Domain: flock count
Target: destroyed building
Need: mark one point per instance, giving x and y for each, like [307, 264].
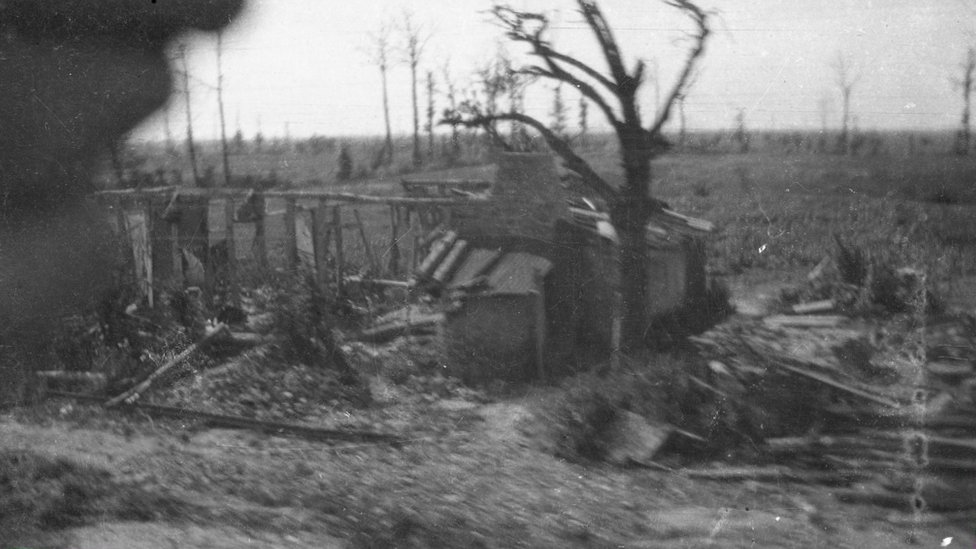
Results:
[529, 274]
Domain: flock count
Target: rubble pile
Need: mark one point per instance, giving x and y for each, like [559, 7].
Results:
[261, 386]
[886, 407]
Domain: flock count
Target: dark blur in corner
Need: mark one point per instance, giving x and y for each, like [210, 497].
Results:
[74, 77]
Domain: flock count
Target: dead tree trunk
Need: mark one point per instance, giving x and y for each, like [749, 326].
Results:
[965, 85]
[630, 206]
[190, 146]
[220, 104]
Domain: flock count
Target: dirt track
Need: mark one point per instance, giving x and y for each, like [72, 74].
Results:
[481, 479]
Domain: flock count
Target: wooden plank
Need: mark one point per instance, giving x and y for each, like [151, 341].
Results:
[539, 326]
[370, 256]
[809, 321]
[260, 240]
[394, 263]
[450, 261]
[132, 394]
[176, 253]
[199, 195]
[320, 244]
[291, 244]
[814, 307]
[233, 292]
[339, 252]
[437, 251]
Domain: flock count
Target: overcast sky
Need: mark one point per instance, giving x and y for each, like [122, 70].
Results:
[300, 66]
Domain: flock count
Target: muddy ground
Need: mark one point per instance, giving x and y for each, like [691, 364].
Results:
[473, 475]
[473, 471]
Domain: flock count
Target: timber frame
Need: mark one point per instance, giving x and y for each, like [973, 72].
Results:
[412, 219]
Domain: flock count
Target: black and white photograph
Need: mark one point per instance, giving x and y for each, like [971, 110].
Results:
[487, 274]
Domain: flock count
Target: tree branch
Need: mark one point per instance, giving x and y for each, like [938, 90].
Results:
[516, 24]
[570, 159]
[558, 74]
[700, 18]
[608, 44]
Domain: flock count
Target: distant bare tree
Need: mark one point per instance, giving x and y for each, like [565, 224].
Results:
[220, 104]
[741, 135]
[584, 123]
[845, 78]
[631, 205]
[431, 111]
[414, 41]
[965, 85]
[558, 112]
[380, 50]
[190, 146]
[450, 94]
[823, 106]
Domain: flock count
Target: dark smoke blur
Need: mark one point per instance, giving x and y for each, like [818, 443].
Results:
[74, 77]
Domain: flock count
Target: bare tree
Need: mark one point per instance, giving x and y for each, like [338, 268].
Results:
[845, 78]
[631, 205]
[584, 123]
[220, 104]
[431, 111]
[741, 135]
[380, 50]
[824, 107]
[415, 40]
[450, 94]
[190, 146]
[965, 85]
[558, 113]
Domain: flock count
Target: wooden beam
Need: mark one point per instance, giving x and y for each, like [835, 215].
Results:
[229, 213]
[394, 263]
[291, 244]
[191, 194]
[539, 326]
[320, 244]
[260, 241]
[339, 255]
[370, 256]
[176, 253]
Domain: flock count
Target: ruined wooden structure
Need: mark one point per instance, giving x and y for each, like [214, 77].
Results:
[182, 237]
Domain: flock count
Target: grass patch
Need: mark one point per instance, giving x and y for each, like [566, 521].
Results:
[44, 494]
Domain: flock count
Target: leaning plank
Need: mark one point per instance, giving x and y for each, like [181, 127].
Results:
[814, 307]
[62, 375]
[386, 332]
[132, 394]
[365, 281]
[437, 251]
[237, 422]
[842, 387]
[767, 474]
[450, 261]
[810, 321]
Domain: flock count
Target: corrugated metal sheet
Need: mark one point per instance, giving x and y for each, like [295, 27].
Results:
[472, 266]
[516, 273]
[665, 229]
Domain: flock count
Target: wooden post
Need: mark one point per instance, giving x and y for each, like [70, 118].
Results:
[232, 289]
[394, 265]
[260, 243]
[539, 310]
[370, 256]
[176, 253]
[148, 253]
[291, 244]
[320, 244]
[339, 256]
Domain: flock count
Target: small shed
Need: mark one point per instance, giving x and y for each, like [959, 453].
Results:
[676, 275]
